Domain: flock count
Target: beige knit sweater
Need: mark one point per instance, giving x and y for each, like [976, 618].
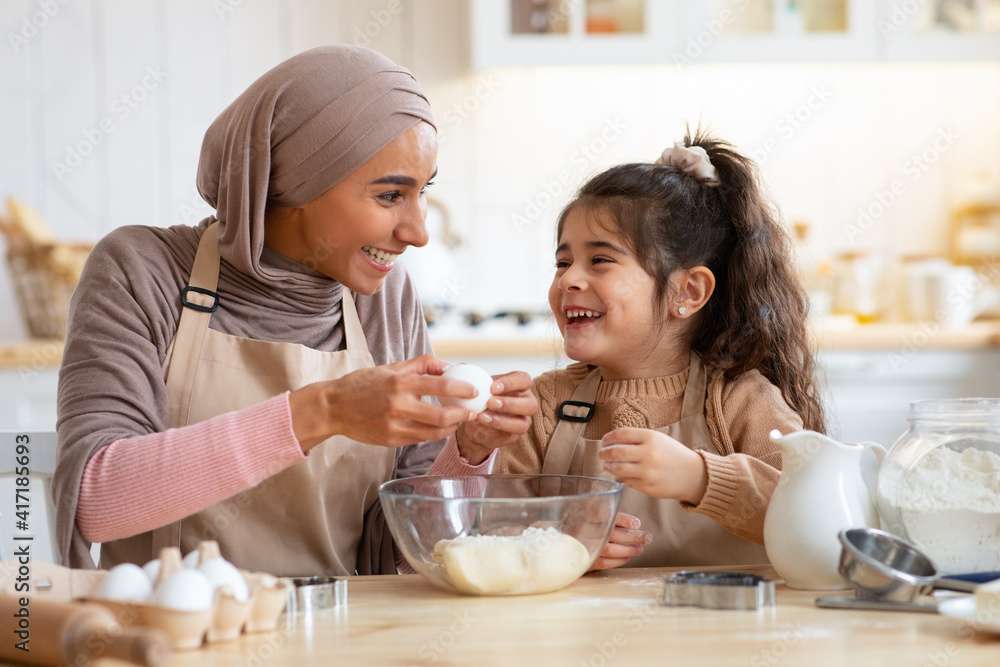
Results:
[740, 415]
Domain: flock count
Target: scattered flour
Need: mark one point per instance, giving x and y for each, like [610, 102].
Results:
[950, 505]
[536, 561]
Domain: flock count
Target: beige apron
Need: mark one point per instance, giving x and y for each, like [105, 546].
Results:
[680, 537]
[306, 519]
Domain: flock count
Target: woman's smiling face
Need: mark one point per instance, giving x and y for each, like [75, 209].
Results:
[354, 231]
[602, 298]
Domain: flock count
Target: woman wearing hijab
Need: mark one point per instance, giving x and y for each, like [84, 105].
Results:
[252, 380]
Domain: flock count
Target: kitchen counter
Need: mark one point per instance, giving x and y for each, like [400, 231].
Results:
[33, 354]
[830, 335]
[604, 618]
[512, 341]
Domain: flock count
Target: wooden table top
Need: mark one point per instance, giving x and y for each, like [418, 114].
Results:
[608, 618]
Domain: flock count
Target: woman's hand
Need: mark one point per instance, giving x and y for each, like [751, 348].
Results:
[381, 405]
[625, 543]
[508, 415]
[654, 463]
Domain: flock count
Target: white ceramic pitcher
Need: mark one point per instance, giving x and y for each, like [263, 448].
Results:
[825, 486]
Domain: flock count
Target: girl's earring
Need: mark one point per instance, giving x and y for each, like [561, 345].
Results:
[681, 310]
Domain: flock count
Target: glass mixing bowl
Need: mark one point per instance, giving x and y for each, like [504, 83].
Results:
[939, 486]
[501, 534]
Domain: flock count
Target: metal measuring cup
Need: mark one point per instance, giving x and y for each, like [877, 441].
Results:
[887, 572]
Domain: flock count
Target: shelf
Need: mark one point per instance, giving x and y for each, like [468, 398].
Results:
[683, 32]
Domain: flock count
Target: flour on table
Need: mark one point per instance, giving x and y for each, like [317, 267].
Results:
[950, 505]
[536, 561]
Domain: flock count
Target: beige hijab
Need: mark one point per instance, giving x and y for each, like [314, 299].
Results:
[296, 132]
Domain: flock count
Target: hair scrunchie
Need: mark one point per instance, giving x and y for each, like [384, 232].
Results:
[691, 160]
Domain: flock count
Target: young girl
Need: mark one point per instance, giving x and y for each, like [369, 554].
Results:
[675, 291]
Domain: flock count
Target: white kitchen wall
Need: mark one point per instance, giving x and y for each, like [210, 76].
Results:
[105, 104]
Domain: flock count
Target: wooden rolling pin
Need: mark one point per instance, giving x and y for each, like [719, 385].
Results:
[59, 633]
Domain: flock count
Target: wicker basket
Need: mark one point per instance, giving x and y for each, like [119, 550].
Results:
[44, 277]
[44, 272]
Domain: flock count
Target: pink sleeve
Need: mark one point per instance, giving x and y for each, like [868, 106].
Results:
[451, 462]
[140, 483]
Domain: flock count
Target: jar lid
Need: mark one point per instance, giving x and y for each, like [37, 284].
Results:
[966, 410]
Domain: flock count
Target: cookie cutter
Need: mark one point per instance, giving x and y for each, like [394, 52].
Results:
[718, 590]
[308, 594]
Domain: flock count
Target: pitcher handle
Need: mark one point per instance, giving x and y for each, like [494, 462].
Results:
[870, 465]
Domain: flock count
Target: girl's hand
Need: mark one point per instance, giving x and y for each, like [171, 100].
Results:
[381, 405]
[625, 543]
[508, 415]
[654, 463]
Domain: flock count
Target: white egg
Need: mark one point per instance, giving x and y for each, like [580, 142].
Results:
[125, 582]
[152, 569]
[221, 573]
[475, 376]
[191, 560]
[185, 590]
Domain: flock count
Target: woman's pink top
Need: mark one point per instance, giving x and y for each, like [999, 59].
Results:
[121, 495]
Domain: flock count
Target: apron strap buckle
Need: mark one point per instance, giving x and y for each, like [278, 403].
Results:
[197, 306]
[576, 415]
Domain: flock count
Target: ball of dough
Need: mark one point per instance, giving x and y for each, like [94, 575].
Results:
[536, 561]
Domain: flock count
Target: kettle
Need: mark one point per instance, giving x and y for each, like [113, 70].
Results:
[825, 487]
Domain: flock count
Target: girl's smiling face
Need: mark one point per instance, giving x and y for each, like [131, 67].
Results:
[602, 300]
[354, 231]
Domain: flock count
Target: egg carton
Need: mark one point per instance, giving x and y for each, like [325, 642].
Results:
[225, 620]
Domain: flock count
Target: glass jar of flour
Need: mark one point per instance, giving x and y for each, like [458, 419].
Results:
[939, 485]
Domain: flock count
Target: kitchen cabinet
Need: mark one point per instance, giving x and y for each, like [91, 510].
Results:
[555, 32]
[867, 392]
[28, 398]
[939, 31]
[682, 32]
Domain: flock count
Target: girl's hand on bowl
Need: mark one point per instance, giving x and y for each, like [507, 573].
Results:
[507, 416]
[626, 542]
